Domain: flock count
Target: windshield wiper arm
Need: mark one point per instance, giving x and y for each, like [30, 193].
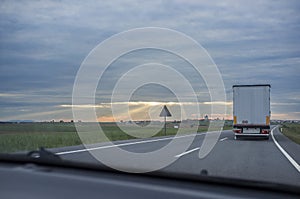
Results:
[43, 154]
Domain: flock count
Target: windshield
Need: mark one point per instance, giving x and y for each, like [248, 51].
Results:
[204, 88]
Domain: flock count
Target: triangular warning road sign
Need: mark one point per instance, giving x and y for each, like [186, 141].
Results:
[165, 112]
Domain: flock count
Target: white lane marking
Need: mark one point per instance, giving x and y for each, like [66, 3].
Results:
[225, 138]
[292, 161]
[187, 152]
[126, 144]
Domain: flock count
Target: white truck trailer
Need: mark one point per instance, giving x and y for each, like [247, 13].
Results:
[251, 110]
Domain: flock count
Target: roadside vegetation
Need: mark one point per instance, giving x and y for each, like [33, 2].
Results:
[292, 131]
[30, 136]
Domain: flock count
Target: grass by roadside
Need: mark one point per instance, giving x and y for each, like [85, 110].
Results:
[24, 137]
[292, 131]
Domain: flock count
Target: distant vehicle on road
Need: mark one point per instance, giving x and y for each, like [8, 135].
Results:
[251, 110]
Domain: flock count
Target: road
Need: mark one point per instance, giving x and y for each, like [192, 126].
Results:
[253, 159]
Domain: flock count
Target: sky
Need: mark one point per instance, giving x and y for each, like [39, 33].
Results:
[43, 44]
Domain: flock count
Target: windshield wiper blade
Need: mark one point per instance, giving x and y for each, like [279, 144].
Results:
[36, 156]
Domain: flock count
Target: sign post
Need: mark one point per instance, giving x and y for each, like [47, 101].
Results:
[165, 113]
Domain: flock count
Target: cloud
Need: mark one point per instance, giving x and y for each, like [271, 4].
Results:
[42, 44]
[10, 95]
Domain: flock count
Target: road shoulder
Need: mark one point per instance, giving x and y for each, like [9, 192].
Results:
[292, 148]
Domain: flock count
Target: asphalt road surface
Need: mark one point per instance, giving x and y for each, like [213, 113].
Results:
[273, 160]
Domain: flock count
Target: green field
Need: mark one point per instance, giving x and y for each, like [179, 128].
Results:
[30, 136]
[292, 131]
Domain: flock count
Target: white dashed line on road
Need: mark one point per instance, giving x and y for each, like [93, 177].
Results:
[225, 138]
[187, 152]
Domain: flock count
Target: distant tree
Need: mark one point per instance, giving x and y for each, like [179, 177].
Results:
[61, 121]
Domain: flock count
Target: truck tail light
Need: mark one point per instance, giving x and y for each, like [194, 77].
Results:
[237, 130]
[265, 131]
